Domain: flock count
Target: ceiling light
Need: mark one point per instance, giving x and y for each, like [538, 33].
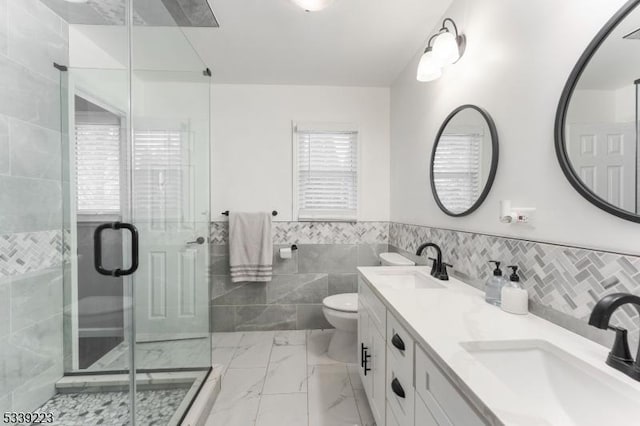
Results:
[429, 68]
[313, 5]
[447, 49]
[77, 1]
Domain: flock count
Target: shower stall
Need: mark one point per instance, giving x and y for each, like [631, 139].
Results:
[130, 340]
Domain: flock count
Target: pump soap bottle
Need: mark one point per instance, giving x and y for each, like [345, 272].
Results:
[494, 285]
[515, 298]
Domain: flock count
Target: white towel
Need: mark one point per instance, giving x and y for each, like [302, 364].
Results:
[250, 246]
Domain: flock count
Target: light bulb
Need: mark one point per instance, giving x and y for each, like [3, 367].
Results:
[429, 68]
[445, 48]
[313, 5]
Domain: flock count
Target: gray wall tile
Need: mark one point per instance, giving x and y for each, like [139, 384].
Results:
[31, 352]
[29, 205]
[244, 294]
[223, 318]
[311, 317]
[35, 151]
[5, 401]
[33, 44]
[221, 285]
[298, 288]
[29, 96]
[368, 254]
[35, 297]
[5, 307]
[328, 258]
[219, 259]
[265, 317]
[5, 152]
[343, 283]
[38, 389]
[3, 27]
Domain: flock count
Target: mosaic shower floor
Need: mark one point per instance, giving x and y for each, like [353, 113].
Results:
[154, 407]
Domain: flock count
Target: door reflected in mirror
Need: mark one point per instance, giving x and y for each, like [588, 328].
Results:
[597, 122]
[464, 160]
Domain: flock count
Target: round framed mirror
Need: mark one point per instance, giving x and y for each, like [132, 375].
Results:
[464, 160]
[596, 128]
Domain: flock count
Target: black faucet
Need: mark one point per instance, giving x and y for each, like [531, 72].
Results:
[620, 356]
[438, 269]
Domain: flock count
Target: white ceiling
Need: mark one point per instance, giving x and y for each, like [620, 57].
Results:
[351, 43]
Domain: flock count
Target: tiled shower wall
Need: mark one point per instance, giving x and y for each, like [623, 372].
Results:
[31, 39]
[324, 264]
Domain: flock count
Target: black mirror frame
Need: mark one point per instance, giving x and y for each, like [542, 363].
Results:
[494, 160]
[561, 116]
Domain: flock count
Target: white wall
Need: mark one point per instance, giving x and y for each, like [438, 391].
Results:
[252, 143]
[518, 58]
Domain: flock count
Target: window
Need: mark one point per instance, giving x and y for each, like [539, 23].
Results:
[161, 171]
[326, 172]
[457, 170]
[98, 168]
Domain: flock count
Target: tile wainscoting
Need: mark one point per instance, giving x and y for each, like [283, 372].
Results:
[324, 264]
[564, 282]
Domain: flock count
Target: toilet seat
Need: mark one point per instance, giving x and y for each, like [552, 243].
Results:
[347, 302]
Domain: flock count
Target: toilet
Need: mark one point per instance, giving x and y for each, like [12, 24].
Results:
[341, 311]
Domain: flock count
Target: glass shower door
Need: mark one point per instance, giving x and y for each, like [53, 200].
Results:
[137, 201]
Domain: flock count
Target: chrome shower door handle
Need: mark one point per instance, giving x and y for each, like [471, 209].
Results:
[199, 240]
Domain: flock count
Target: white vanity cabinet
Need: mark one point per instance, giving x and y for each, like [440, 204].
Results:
[371, 349]
[403, 385]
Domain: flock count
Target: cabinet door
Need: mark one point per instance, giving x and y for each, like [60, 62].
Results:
[423, 415]
[378, 365]
[364, 348]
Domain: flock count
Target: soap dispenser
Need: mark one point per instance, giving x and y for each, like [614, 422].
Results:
[494, 285]
[515, 298]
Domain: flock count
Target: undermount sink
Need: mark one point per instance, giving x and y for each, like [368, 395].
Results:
[404, 279]
[560, 388]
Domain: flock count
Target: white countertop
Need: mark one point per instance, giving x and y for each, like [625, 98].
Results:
[441, 319]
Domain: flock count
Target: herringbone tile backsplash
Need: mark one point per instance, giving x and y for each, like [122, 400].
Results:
[566, 279]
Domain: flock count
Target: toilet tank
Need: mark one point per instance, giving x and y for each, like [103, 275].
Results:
[395, 259]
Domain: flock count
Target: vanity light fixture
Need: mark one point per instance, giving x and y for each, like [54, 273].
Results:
[313, 5]
[447, 49]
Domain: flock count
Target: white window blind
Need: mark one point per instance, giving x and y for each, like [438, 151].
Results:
[98, 168]
[327, 174]
[159, 159]
[457, 170]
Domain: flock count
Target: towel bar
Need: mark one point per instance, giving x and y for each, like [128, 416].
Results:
[226, 213]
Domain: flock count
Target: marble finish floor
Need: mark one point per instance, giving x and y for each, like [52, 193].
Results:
[154, 407]
[185, 353]
[285, 378]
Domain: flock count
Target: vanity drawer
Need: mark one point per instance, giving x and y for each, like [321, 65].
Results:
[399, 389]
[377, 311]
[442, 399]
[398, 337]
